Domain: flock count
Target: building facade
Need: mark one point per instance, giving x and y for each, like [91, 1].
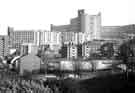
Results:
[39, 38]
[91, 24]
[48, 37]
[69, 37]
[28, 48]
[4, 45]
[88, 24]
[89, 48]
[18, 37]
[72, 52]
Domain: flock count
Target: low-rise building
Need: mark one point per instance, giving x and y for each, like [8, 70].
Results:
[29, 64]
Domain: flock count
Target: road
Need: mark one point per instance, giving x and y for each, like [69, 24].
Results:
[112, 83]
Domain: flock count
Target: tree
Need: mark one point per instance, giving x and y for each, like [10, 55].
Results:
[39, 53]
[127, 54]
[127, 50]
[124, 51]
[107, 50]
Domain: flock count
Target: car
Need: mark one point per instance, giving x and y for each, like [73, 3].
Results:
[51, 77]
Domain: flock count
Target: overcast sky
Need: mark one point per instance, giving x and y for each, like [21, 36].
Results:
[39, 14]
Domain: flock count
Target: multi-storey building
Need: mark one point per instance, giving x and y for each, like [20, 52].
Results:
[48, 37]
[72, 52]
[61, 28]
[28, 48]
[69, 37]
[89, 24]
[118, 32]
[81, 38]
[18, 37]
[63, 51]
[4, 46]
[53, 39]
[79, 50]
[39, 38]
[89, 48]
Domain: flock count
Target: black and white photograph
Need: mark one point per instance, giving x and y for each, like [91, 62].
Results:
[67, 46]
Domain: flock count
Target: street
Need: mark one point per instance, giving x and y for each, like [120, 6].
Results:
[115, 83]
